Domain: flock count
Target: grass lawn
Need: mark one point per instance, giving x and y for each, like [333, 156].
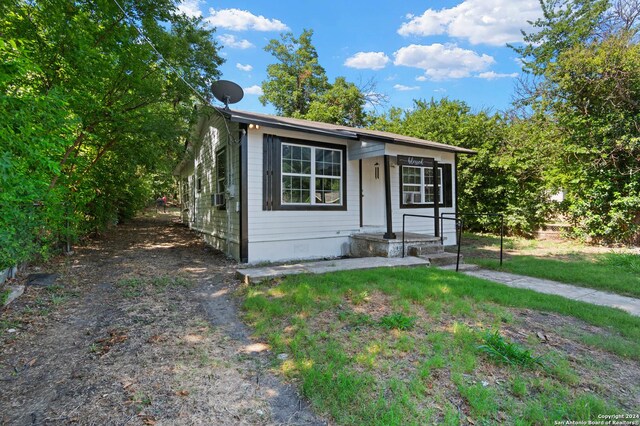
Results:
[563, 261]
[424, 346]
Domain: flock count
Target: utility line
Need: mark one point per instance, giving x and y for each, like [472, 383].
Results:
[162, 58]
[174, 69]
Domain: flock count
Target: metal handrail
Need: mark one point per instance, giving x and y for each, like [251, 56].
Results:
[480, 214]
[459, 226]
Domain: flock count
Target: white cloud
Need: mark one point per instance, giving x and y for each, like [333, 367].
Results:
[494, 22]
[421, 78]
[247, 67]
[367, 60]
[253, 90]
[441, 62]
[403, 88]
[242, 20]
[492, 75]
[440, 90]
[191, 8]
[229, 40]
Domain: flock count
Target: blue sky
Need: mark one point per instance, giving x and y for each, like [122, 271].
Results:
[411, 49]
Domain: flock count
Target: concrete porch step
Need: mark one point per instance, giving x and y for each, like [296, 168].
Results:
[441, 259]
[374, 244]
[425, 249]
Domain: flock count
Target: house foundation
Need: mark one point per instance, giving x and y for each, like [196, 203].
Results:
[374, 244]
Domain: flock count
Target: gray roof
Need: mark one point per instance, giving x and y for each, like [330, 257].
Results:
[337, 130]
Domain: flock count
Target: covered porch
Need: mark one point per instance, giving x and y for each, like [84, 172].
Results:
[393, 184]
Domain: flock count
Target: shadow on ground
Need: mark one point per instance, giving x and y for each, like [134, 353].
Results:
[140, 328]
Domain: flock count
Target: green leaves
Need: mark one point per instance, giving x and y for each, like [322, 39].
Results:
[586, 57]
[297, 85]
[91, 114]
[506, 174]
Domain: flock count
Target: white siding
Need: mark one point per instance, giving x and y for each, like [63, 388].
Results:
[220, 228]
[286, 235]
[414, 224]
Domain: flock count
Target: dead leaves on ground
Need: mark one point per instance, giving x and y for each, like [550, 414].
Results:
[102, 346]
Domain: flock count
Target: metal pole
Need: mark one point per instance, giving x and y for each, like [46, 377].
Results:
[403, 218]
[459, 243]
[501, 236]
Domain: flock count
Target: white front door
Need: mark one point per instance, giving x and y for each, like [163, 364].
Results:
[373, 207]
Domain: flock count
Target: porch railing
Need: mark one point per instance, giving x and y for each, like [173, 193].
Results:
[500, 215]
[459, 226]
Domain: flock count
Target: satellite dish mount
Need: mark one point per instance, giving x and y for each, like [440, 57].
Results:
[227, 92]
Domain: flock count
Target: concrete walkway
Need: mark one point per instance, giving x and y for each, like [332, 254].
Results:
[582, 294]
[255, 275]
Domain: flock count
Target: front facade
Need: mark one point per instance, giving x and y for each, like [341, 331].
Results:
[263, 188]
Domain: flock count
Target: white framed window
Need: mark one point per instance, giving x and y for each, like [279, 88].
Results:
[311, 175]
[417, 186]
[301, 174]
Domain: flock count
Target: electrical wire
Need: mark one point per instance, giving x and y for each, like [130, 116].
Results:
[162, 58]
[176, 72]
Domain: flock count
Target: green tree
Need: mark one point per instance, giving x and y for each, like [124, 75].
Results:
[502, 178]
[296, 78]
[584, 58]
[343, 103]
[90, 111]
[596, 108]
[297, 86]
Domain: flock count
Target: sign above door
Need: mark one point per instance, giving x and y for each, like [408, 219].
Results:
[406, 160]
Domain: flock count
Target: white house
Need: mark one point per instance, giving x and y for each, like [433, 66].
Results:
[266, 188]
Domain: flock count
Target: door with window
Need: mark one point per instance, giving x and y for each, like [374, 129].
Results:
[373, 202]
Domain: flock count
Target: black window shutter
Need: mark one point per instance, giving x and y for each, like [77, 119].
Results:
[267, 172]
[448, 185]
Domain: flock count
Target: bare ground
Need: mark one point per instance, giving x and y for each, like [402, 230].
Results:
[141, 328]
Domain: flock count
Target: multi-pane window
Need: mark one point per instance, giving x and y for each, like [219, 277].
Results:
[418, 185]
[311, 175]
[199, 178]
[219, 199]
[221, 171]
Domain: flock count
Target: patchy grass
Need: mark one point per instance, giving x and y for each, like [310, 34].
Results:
[138, 286]
[397, 321]
[496, 347]
[601, 268]
[613, 272]
[400, 346]
[4, 296]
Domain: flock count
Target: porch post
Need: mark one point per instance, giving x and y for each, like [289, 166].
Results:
[436, 200]
[389, 235]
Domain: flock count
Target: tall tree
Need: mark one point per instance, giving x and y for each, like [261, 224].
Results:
[81, 88]
[584, 57]
[296, 78]
[343, 103]
[297, 86]
[504, 177]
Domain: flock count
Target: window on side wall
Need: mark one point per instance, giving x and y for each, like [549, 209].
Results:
[218, 199]
[199, 178]
[417, 188]
[303, 175]
[185, 190]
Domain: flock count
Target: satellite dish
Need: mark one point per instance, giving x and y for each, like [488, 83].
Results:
[227, 92]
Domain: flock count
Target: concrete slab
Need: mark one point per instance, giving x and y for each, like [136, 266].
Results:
[596, 297]
[255, 275]
[15, 291]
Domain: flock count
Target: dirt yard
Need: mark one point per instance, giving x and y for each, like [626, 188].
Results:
[141, 327]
